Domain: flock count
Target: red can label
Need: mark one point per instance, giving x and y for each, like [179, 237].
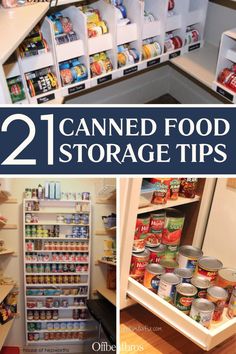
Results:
[142, 228]
[211, 275]
[138, 265]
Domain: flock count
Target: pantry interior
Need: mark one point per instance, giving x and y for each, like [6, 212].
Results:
[189, 73]
[208, 226]
[58, 258]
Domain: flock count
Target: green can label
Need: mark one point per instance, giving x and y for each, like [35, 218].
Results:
[183, 303]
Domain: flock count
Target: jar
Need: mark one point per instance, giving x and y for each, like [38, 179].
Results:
[28, 218]
[34, 193]
[64, 303]
[48, 315]
[36, 315]
[30, 315]
[55, 315]
[76, 314]
[42, 315]
[28, 194]
[46, 336]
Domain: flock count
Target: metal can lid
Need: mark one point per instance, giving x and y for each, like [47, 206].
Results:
[228, 274]
[190, 251]
[168, 263]
[170, 278]
[143, 254]
[200, 282]
[203, 305]
[217, 292]
[159, 249]
[210, 263]
[184, 272]
[155, 269]
[186, 289]
[160, 213]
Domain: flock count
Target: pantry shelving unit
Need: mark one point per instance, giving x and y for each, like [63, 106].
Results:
[47, 214]
[196, 216]
[109, 294]
[188, 13]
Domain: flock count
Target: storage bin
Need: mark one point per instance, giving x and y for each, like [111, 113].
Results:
[146, 194]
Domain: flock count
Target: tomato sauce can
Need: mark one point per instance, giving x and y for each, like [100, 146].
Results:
[157, 222]
[202, 311]
[169, 264]
[167, 286]
[188, 257]
[184, 274]
[157, 253]
[227, 280]
[202, 284]
[142, 226]
[152, 276]
[208, 267]
[139, 263]
[174, 223]
[184, 296]
[161, 190]
[174, 189]
[232, 305]
[139, 246]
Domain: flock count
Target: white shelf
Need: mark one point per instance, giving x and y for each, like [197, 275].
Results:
[62, 320]
[200, 64]
[70, 341]
[72, 285]
[4, 291]
[58, 239]
[57, 308]
[61, 251]
[18, 22]
[107, 262]
[54, 262]
[6, 252]
[81, 273]
[55, 296]
[203, 337]
[109, 294]
[64, 331]
[52, 224]
[57, 200]
[4, 330]
[63, 211]
[169, 204]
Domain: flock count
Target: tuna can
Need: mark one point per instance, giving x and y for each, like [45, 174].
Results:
[202, 311]
[188, 256]
[169, 264]
[227, 280]
[174, 223]
[157, 253]
[152, 276]
[167, 286]
[218, 296]
[202, 284]
[208, 267]
[184, 296]
[139, 263]
[184, 274]
[232, 305]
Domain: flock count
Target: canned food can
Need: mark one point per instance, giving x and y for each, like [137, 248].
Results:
[188, 187]
[171, 251]
[157, 222]
[152, 276]
[184, 296]
[142, 226]
[169, 264]
[232, 305]
[202, 311]
[157, 253]
[227, 279]
[218, 296]
[167, 286]
[174, 223]
[188, 256]
[139, 246]
[208, 267]
[139, 263]
[202, 284]
[185, 274]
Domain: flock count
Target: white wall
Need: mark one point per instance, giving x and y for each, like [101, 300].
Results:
[13, 266]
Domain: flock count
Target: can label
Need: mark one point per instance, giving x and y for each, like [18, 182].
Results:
[139, 246]
[138, 265]
[151, 281]
[142, 227]
[171, 252]
[232, 306]
[156, 256]
[167, 291]
[183, 303]
[202, 293]
[172, 230]
[211, 275]
[219, 307]
[185, 262]
[204, 318]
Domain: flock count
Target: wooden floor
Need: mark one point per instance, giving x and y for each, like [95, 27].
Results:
[141, 328]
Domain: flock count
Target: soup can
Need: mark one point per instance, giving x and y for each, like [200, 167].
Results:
[218, 296]
[184, 274]
[174, 223]
[188, 256]
[202, 311]
[167, 286]
[227, 279]
[169, 264]
[208, 267]
[156, 254]
[139, 263]
[152, 276]
[202, 284]
[184, 296]
[232, 305]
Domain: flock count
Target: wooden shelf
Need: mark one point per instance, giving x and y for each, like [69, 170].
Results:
[4, 330]
[111, 199]
[103, 232]
[6, 252]
[8, 227]
[8, 200]
[107, 262]
[200, 64]
[169, 204]
[109, 294]
[18, 22]
[4, 291]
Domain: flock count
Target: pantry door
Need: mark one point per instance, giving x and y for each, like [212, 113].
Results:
[220, 237]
